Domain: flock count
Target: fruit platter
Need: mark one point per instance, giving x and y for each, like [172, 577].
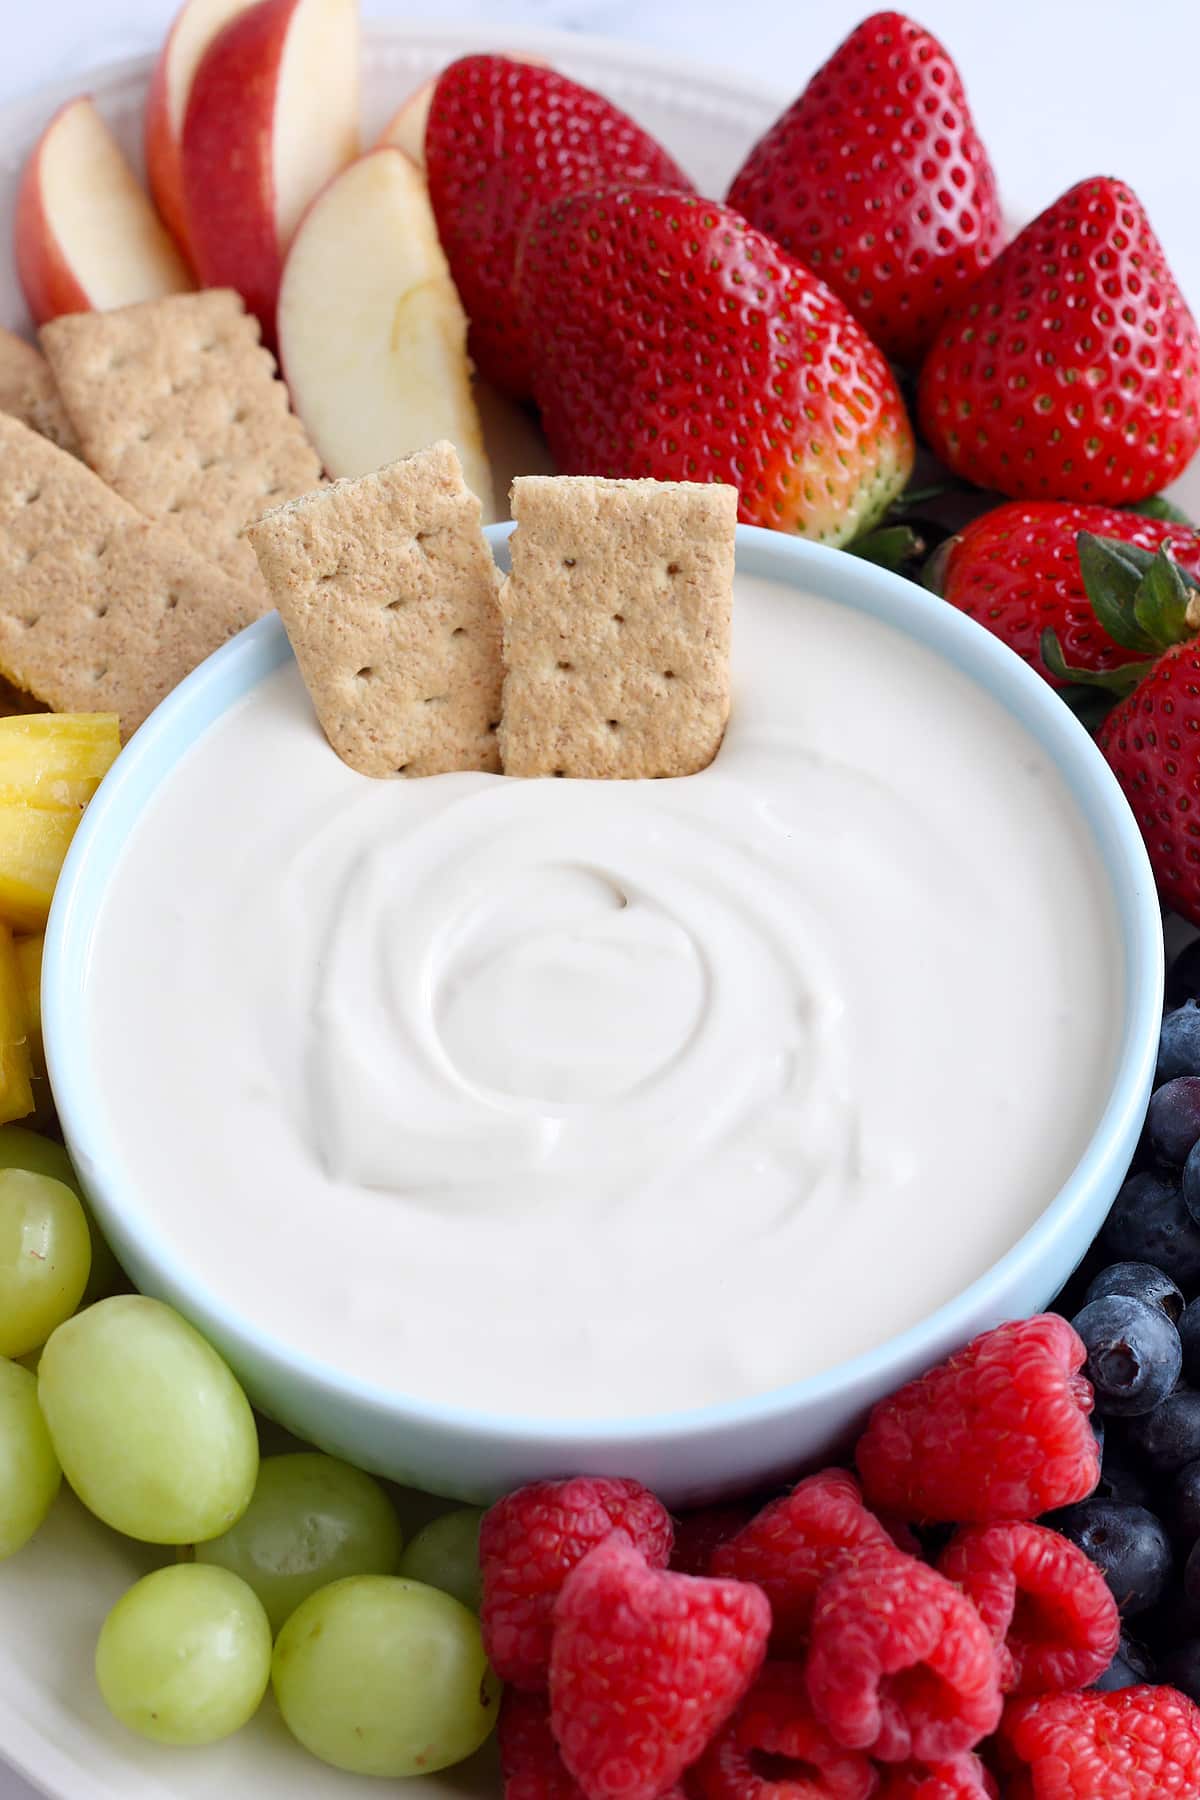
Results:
[556, 616]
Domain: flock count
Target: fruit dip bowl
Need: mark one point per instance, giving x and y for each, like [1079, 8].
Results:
[495, 1129]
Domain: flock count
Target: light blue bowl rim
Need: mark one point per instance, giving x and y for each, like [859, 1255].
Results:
[241, 664]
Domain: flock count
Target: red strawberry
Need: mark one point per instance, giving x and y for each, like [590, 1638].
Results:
[1072, 369]
[503, 139]
[1016, 569]
[676, 341]
[1152, 745]
[875, 177]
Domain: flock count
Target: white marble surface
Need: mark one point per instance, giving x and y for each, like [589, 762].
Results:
[1060, 88]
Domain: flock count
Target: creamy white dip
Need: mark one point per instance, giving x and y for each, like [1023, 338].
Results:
[596, 1099]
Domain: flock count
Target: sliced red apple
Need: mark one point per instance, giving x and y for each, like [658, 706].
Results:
[195, 27]
[85, 236]
[406, 127]
[372, 335]
[273, 115]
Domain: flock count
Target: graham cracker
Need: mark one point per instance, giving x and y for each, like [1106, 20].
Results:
[29, 392]
[387, 591]
[177, 407]
[617, 621]
[100, 609]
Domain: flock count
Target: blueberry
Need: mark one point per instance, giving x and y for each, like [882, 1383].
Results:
[1180, 1668]
[1183, 1503]
[1179, 1043]
[1130, 1667]
[1189, 1337]
[1173, 1121]
[1168, 1437]
[1127, 1544]
[1183, 982]
[1149, 1223]
[1189, 1181]
[1120, 1481]
[1141, 1281]
[1097, 1425]
[1134, 1354]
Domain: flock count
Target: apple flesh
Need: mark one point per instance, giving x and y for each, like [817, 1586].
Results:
[272, 117]
[86, 237]
[195, 27]
[406, 128]
[372, 335]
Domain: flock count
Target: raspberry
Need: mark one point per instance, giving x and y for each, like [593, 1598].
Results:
[699, 1534]
[1046, 1604]
[645, 1666]
[999, 1432]
[900, 1663]
[529, 1757]
[793, 1543]
[775, 1722]
[1141, 1743]
[528, 1545]
[964, 1778]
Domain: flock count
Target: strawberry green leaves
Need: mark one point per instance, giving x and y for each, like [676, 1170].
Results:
[1143, 600]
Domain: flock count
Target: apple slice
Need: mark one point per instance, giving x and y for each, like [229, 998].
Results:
[406, 127]
[272, 117]
[85, 235]
[372, 335]
[195, 27]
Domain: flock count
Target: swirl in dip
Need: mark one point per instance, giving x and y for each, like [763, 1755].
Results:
[602, 1099]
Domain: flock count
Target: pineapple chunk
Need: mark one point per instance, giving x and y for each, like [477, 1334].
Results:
[56, 760]
[33, 845]
[29, 961]
[16, 1089]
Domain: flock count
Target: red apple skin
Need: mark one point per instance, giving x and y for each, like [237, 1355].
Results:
[46, 278]
[228, 174]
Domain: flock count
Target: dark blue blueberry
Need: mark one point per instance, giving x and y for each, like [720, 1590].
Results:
[1189, 1337]
[1183, 981]
[1180, 1668]
[1169, 1437]
[1097, 1425]
[1173, 1121]
[1134, 1354]
[1130, 1667]
[1183, 1504]
[1127, 1543]
[1141, 1281]
[1149, 1223]
[1189, 1181]
[1191, 1577]
[1179, 1043]
[1119, 1480]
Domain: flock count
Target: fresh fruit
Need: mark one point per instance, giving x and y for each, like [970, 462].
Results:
[1182, 1513]
[645, 1666]
[962, 1778]
[1016, 569]
[675, 341]
[530, 1761]
[793, 1543]
[1173, 1121]
[775, 1749]
[1189, 1324]
[29, 1471]
[406, 127]
[56, 760]
[1146, 741]
[877, 180]
[196, 24]
[1150, 1223]
[1141, 1281]
[1180, 1668]
[503, 139]
[371, 332]
[255, 149]
[1138, 1744]
[1052, 1617]
[312, 1520]
[1071, 371]
[22, 1149]
[900, 1664]
[1000, 1431]
[1130, 1667]
[153, 1432]
[16, 1046]
[1134, 1354]
[33, 847]
[185, 1656]
[1183, 976]
[45, 1258]
[445, 1554]
[85, 236]
[528, 1544]
[1127, 1544]
[1169, 1437]
[381, 1676]
[1179, 1042]
[700, 1534]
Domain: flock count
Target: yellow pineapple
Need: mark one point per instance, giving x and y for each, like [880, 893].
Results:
[33, 846]
[56, 760]
[16, 1089]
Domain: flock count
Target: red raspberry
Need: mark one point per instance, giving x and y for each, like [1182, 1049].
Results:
[645, 1666]
[900, 1663]
[793, 1543]
[775, 1721]
[999, 1432]
[1140, 1743]
[1048, 1607]
[530, 1760]
[699, 1534]
[528, 1544]
[964, 1778]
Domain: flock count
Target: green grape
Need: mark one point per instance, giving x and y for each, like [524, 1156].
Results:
[185, 1656]
[445, 1554]
[45, 1256]
[312, 1520]
[382, 1676]
[21, 1148]
[29, 1471]
[153, 1432]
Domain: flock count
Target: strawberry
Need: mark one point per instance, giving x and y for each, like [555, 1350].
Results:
[1016, 569]
[503, 139]
[676, 341]
[1072, 369]
[876, 178]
